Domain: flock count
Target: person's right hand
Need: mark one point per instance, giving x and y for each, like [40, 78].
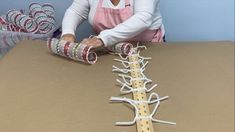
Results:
[69, 37]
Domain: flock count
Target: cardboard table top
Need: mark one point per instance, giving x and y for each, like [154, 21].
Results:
[41, 92]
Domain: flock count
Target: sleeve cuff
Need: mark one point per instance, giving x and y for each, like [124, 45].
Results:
[106, 39]
[67, 32]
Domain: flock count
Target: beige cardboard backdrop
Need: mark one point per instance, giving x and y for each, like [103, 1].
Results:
[41, 92]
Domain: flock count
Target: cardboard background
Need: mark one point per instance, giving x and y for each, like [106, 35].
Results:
[41, 92]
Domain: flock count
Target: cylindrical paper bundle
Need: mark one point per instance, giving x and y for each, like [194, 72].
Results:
[75, 51]
[37, 12]
[22, 21]
[123, 48]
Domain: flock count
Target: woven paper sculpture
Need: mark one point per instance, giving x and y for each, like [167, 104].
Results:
[39, 20]
[81, 52]
[74, 51]
[135, 82]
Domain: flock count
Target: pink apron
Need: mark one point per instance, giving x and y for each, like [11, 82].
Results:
[107, 18]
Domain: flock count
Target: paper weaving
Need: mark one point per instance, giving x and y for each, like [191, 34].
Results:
[134, 81]
[83, 53]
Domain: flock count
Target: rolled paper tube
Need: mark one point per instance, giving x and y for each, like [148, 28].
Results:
[34, 6]
[45, 22]
[30, 26]
[46, 25]
[51, 20]
[75, 51]
[14, 28]
[40, 17]
[49, 9]
[9, 15]
[48, 6]
[46, 29]
[22, 21]
[123, 48]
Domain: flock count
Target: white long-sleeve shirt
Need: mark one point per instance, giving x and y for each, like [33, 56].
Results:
[146, 15]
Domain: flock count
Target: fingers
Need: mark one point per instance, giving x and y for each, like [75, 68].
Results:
[85, 41]
[69, 38]
[94, 42]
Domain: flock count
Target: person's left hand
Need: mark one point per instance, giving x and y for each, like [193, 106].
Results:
[94, 42]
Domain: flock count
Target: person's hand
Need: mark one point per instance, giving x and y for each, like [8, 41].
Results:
[94, 42]
[69, 38]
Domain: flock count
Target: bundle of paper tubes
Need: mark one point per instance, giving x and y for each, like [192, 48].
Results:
[81, 52]
[39, 20]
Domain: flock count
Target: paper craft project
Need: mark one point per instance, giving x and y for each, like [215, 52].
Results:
[123, 48]
[81, 52]
[43, 15]
[40, 20]
[75, 51]
[22, 21]
[135, 82]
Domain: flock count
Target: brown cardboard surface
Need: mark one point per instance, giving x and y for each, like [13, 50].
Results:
[40, 92]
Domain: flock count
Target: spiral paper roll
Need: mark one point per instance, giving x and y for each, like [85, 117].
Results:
[44, 19]
[74, 51]
[83, 53]
[123, 48]
[22, 21]
[40, 20]
[49, 9]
